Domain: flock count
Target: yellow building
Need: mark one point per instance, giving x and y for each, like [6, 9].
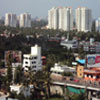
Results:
[80, 68]
[80, 71]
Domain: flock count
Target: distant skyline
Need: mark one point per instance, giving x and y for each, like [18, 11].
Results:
[40, 7]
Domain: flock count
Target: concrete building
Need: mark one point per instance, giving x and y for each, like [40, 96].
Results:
[25, 20]
[33, 61]
[97, 25]
[59, 69]
[70, 44]
[80, 68]
[53, 18]
[60, 18]
[83, 19]
[21, 89]
[90, 46]
[10, 20]
[66, 18]
[92, 74]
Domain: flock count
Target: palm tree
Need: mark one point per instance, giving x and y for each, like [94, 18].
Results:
[41, 79]
[37, 80]
[18, 75]
[50, 63]
[47, 81]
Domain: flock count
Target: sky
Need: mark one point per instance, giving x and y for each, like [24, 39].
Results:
[40, 7]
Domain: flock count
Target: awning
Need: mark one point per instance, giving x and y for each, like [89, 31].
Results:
[75, 90]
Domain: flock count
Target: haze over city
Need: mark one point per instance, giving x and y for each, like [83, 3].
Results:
[49, 50]
[40, 7]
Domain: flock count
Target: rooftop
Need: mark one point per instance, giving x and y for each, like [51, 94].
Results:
[81, 61]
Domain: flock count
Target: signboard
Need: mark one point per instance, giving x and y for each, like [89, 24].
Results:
[93, 60]
[13, 58]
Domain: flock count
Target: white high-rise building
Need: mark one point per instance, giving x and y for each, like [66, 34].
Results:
[97, 24]
[60, 18]
[83, 19]
[25, 20]
[65, 19]
[33, 61]
[10, 20]
[53, 18]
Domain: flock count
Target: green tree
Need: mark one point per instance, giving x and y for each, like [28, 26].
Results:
[51, 60]
[9, 74]
[18, 76]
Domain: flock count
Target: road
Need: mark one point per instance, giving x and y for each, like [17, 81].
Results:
[76, 81]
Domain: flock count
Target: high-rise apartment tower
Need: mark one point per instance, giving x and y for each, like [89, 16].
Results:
[97, 24]
[10, 20]
[60, 18]
[83, 19]
[25, 20]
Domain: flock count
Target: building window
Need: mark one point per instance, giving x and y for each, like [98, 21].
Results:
[30, 58]
[34, 70]
[26, 62]
[97, 76]
[35, 57]
[59, 73]
[26, 57]
[33, 62]
[87, 75]
[34, 66]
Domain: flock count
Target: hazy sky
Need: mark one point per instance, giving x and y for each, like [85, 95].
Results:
[40, 7]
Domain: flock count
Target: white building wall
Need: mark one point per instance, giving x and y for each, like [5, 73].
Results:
[60, 18]
[66, 26]
[25, 20]
[78, 19]
[65, 19]
[83, 19]
[53, 18]
[10, 20]
[56, 17]
[33, 60]
[71, 19]
[21, 89]
[50, 19]
[97, 24]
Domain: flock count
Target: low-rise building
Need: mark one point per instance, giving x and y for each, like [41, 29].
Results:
[92, 74]
[70, 44]
[90, 46]
[14, 57]
[33, 61]
[80, 67]
[59, 69]
[21, 89]
[80, 71]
